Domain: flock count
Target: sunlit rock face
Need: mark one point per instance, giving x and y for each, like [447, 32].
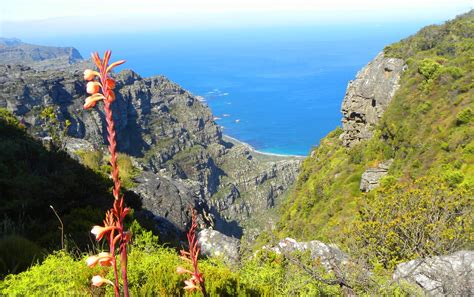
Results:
[367, 97]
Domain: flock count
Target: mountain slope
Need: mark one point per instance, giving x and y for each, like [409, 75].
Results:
[426, 131]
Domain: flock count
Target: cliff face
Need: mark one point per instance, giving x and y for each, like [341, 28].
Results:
[180, 151]
[368, 96]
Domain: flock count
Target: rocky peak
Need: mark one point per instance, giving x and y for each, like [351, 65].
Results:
[368, 96]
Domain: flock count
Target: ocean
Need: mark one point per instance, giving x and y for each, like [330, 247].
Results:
[278, 89]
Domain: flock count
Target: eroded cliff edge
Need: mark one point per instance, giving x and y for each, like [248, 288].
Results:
[367, 97]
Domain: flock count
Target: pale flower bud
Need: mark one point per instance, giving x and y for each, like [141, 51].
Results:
[92, 87]
[90, 74]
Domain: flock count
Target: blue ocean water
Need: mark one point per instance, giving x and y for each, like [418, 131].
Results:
[278, 89]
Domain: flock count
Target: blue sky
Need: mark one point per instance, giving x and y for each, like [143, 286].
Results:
[31, 17]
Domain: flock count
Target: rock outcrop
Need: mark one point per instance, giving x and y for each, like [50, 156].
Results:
[371, 177]
[179, 149]
[451, 275]
[216, 244]
[367, 97]
[330, 256]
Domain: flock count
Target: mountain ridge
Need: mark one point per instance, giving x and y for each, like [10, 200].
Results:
[168, 133]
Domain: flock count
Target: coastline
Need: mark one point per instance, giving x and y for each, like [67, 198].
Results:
[257, 152]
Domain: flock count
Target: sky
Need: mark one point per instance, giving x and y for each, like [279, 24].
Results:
[23, 17]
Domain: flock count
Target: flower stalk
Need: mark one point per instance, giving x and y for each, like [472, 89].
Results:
[196, 282]
[100, 87]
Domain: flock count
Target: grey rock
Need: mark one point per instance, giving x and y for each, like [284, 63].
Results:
[450, 275]
[216, 244]
[371, 177]
[73, 145]
[330, 256]
[168, 200]
[368, 96]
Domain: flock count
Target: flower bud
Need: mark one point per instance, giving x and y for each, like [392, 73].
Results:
[90, 74]
[98, 281]
[92, 87]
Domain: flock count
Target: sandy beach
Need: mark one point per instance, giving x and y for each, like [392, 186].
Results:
[257, 152]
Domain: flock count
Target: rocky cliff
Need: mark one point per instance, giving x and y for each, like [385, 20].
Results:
[367, 97]
[14, 51]
[181, 153]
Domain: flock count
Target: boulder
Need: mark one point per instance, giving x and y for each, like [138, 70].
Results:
[216, 244]
[371, 177]
[330, 256]
[450, 275]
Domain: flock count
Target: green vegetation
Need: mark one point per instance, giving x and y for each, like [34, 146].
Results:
[97, 161]
[400, 221]
[152, 272]
[56, 129]
[428, 131]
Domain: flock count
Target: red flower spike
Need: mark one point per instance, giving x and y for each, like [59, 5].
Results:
[113, 229]
[196, 282]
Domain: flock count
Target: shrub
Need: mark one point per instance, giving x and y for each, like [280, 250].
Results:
[453, 71]
[59, 275]
[429, 68]
[400, 222]
[9, 119]
[424, 107]
[453, 177]
[464, 116]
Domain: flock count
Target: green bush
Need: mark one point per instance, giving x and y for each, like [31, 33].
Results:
[399, 222]
[152, 272]
[464, 116]
[59, 275]
[95, 160]
[9, 119]
[453, 177]
[429, 68]
[453, 71]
